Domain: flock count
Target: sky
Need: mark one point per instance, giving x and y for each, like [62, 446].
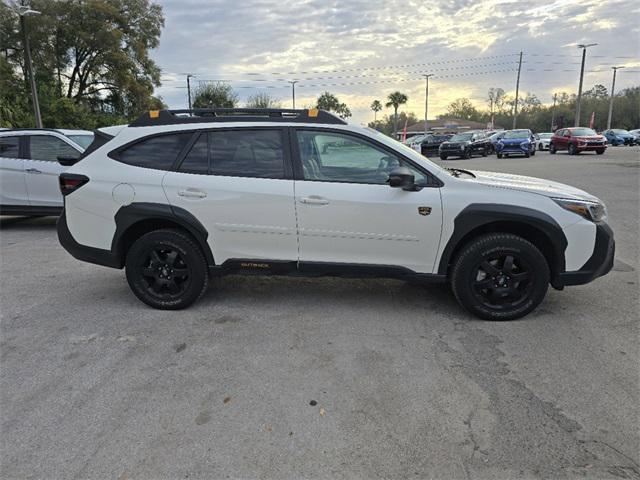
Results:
[362, 50]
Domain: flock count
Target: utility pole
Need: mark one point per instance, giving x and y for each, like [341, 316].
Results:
[426, 101]
[23, 11]
[553, 111]
[515, 105]
[293, 92]
[584, 54]
[189, 77]
[613, 86]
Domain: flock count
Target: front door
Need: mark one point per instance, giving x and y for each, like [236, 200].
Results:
[348, 213]
[42, 169]
[238, 184]
[13, 187]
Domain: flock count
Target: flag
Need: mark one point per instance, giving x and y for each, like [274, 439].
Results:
[592, 119]
[404, 130]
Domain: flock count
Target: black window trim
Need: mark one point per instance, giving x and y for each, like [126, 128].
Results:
[434, 181]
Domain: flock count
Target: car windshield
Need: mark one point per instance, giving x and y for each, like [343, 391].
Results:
[582, 132]
[83, 140]
[517, 134]
[545, 135]
[619, 130]
[461, 137]
[439, 138]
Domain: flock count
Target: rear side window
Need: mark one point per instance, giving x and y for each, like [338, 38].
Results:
[247, 153]
[9, 147]
[48, 148]
[155, 152]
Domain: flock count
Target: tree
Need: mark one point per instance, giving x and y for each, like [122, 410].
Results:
[263, 100]
[495, 99]
[387, 124]
[598, 91]
[396, 99]
[96, 53]
[376, 106]
[463, 108]
[329, 102]
[214, 95]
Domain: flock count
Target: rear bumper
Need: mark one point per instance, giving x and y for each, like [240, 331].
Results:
[600, 263]
[87, 254]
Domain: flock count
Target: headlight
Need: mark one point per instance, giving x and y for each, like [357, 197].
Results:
[593, 211]
[524, 144]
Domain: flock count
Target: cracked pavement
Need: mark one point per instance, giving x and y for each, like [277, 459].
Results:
[278, 378]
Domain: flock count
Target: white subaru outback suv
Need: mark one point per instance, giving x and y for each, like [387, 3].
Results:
[179, 196]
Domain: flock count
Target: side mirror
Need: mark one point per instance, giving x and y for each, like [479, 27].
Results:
[67, 161]
[567, 135]
[401, 177]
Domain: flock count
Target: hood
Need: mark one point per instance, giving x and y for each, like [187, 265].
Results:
[531, 184]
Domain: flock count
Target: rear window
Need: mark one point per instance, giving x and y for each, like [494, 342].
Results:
[9, 147]
[158, 152]
[83, 140]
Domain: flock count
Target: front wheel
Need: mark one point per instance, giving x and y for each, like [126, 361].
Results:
[500, 276]
[166, 269]
[533, 153]
[499, 155]
[443, 156]
[572, 149]
[600, 151]
[484, 152]
[552, 149]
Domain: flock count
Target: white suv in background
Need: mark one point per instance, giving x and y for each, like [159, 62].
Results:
[29, 168]
[179, 196]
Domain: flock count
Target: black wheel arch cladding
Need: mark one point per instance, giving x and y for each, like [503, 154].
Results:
[479, 218]
[143, 213]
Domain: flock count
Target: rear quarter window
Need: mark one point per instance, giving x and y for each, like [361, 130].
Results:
[159, 152]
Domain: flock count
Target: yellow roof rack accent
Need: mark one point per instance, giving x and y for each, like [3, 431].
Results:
[313, 112]
[154, 113]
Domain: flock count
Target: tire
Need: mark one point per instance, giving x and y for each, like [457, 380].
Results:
[499, 155]
[484, 152]
[552, 149]
[443, 157]
[151, 265]
[600, 151]
[483, 277]
[466, 155]
[533, 153]
[541, 147]
[527, 155]
[572, 149]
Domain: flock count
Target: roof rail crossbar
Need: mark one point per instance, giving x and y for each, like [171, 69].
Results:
[206, 115]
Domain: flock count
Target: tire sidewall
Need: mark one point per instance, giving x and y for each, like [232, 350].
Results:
[484, 247]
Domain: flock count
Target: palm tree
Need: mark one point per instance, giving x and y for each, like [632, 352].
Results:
[395, 100]
[376, 106]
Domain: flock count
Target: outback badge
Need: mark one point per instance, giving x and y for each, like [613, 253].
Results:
[424, 210]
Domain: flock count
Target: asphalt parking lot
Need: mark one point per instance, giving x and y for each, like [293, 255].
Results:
[321, 378]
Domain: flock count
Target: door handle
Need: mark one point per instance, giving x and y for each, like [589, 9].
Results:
[32, 170]
[314, 200]
[192, 193]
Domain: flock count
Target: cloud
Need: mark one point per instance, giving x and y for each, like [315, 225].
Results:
[364, 49]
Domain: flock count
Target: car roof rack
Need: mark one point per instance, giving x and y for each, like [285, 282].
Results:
[214, 115]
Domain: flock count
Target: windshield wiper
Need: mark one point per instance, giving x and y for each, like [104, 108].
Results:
[457, 171]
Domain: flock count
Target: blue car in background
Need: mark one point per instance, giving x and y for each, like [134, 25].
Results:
[617, 136]
[516, 142]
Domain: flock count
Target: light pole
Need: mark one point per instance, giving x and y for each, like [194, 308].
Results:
[613, 86]
[293, 91]
[515, 103]
[553, 111]
[189, 76]
[23, 11]
[584, 54]
[426, 101]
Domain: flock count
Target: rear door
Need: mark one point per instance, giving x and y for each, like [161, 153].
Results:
[13, 186]
[239, 185]
[348, 213]
[42, 168]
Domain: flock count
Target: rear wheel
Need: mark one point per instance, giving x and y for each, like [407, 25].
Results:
[500, 277]
[166, 269]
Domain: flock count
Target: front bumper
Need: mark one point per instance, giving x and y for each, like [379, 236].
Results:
[514, 149]
[600, 263]
[591, 147]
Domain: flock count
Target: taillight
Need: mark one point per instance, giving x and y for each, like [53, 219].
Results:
[70, 182]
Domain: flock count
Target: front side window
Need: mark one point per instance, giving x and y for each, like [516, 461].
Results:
[155, 152]
[335, 157]
[247, 153]
[48, 148]
[9, 147]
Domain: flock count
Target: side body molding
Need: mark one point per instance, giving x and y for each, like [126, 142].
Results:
[478, 215]
[129, 215]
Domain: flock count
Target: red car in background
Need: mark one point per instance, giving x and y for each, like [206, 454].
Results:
[576, 140]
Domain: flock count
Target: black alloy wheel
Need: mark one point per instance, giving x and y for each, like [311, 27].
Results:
[552, 149]
[572, 149]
